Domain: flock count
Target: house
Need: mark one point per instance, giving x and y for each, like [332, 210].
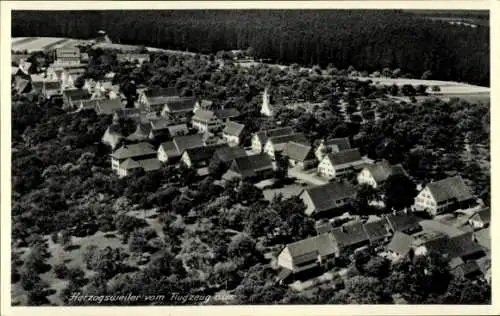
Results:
[276, 144]
[112, 136]
[232, 133]
[328, 198]
[224, 115]
[130, 165]
[70, 75]
[480, 219]
[88, 104]
[400, 244]
[177, 108]
[444, 195]
[136, 152]
[300, 155]
[51, 89]
[68, 55]
[468, 269]
[308, 253]
[71, 97]
[141, 132]
[133, 58]
[340, 164]
[333, 145]
[127, 113]
[22, 85]
[37, 86]
[259, 139]
[177, 130]
[206, 121]
[266, 108]
[405, 223]
[108, 107]
[203, 105]
[173, 150]
[484, 264]
[378, 231]
[350, 236]
[155, 99]
[376, 174]
[462, 246]
[198, 157]
[255, 167]
[227, 155]
[159, 129]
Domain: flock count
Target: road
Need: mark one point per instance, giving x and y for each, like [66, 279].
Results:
[309, 176]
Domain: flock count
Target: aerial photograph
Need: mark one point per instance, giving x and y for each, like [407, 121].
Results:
[250, 157]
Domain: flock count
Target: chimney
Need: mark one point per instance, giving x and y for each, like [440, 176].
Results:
[342, 229]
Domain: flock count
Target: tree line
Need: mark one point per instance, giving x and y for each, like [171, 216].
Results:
[359, 38]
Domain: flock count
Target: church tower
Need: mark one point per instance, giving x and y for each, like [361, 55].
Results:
[266, 104]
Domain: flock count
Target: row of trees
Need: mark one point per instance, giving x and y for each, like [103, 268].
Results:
[363, 39]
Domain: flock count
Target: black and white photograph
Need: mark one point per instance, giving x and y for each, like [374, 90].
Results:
[207, 157]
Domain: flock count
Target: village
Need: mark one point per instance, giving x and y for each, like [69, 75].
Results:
[195, 133]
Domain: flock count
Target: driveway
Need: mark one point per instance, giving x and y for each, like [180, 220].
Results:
[307, 176]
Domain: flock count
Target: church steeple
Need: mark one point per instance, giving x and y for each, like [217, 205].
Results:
[266, 104]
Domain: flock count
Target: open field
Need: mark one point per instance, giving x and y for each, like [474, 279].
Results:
[32, 44]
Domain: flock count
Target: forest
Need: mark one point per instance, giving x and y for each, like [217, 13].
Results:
[366, 40]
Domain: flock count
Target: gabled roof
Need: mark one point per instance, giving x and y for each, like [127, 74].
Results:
[324, 228]
[52, 85]
[22, 85]
[340, 143]
[459, 246]
[308, 249]
[350, 234]
[466, 269]
[204, 115]
[227, 154]
[133, 150]
[483, 237]
[37, 85]
[129, 164]
[377, 230]
[160, 100]
[89, 104]
[126, 112]
[226, 113]
[185, 104]
[298, 137]
[298, 151]
[170, 149]
[400, 243]
[77, 94]
[108, 106]
[174, 130]
[263, 135]
[450, 188]
[233, 128]
[247, 166]
[149, 164]
[187, 141]
[380, 171]
[345, 157]
[203, 153]
[159, 124]
[324, 196]
[404, 222]
[163, 92]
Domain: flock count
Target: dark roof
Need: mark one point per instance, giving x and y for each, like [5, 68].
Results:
[187, 141]
[164, 92]
[233, 128]
[324, 228]
[226, 113]
[400, 243]
[203, 153]
[466, 269]
[129, 164]
[484, 215]
[204, 115]
[284, 273]
[141, 132]
[133, 150]
[108, 106]
[459, 246]
[346, 156]
[52, 85]
[324, 196]
[149, 164]
[404, 222]
[170, 149]
[227, 154]
[450, 188]
[340, 143]
[382, 170]
[483, 237]
[37, 85]
[308, 249]
[248, 166]
[263, 135]
[185, 104]
[350, 234]
[125, 112]
[77, 94]
[377, 230]
[159, 124]
[299, 137]
[298, 151]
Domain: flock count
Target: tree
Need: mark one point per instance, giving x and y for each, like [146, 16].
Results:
[400, 192]
[79, 82]
[436, 88]
[408, 90]
[216, 168]
[465, 291]
[248, 193]
[38, 294]
[61, 271]
[377, 267]
[393, 90]
[282, 166]
[138, 242]
[362, 290]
